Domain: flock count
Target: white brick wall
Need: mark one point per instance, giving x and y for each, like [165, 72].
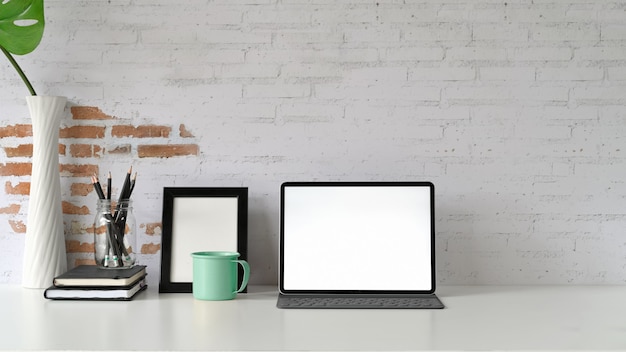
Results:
[514, 109]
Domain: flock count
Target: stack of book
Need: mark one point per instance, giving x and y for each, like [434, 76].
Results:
[90, 282]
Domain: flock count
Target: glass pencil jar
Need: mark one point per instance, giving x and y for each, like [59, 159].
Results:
[115, 234]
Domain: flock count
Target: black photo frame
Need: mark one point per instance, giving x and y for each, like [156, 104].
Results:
[191, 218]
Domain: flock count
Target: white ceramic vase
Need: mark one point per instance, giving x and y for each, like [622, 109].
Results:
[44, 249]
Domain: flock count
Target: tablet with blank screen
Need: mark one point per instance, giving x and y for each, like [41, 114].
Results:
[354, 238]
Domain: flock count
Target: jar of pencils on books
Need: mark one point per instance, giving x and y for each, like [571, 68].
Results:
[115, 234]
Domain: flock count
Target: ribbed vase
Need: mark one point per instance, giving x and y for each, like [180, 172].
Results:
[44, 249]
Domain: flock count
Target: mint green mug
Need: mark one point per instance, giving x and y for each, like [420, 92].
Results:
[215, 275]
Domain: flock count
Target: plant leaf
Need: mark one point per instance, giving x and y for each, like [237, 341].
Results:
[21, 25]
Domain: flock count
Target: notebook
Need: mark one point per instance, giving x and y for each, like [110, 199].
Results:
[357, 245]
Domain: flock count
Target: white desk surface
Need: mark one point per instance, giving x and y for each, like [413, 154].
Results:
[494, 318]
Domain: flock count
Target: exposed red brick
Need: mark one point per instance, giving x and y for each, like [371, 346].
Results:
[11, 209]
[80, 227]
[89, 229]
[22, 188]
[121, 149]
[15, 169]
[88, 113]
[82, 132]
[81, 189]
[69, 208]
[99, 230]
[74, 246]
[78, 262]
[17, 226]
[182, 130]
[19, 151]
[26, 150]
[85, 150]
[150, 248]
[78, 170]
[166, 150]
[16, 131]
[150, 227]
[81, 150]
[144, 131]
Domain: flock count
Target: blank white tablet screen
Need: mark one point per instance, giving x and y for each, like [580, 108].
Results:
[357, 238]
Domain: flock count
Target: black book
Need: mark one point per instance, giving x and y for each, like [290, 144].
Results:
[121, 293]
[95, 276]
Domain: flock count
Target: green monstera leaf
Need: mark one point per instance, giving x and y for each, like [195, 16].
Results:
[21, 29]
[21, 25]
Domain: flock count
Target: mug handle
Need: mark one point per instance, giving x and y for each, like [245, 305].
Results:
[246, 274]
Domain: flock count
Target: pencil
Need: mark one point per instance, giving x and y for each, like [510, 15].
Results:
[97, 187]
[123, 193]
[109, 186]
[126, 186]
[132, 184]
[119, 217]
